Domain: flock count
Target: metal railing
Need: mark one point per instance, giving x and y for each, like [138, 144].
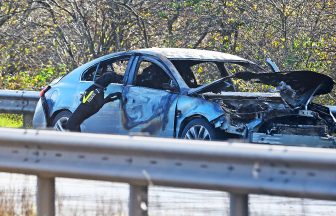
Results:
[19, 102]
[142, 162]
[239, 169]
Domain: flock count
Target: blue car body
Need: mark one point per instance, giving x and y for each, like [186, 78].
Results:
[166, 111]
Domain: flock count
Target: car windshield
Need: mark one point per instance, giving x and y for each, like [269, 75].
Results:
[196, 73]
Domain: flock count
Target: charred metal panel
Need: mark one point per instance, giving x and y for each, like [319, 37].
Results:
[295, 87]
[247, 107]
[148, 111]
[326, 114]
[299, 81]
[294, 140]
[266, 113]
[195, 106]
[312, 130]
[252, 95]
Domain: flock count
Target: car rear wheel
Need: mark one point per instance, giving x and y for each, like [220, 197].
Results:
[199, 129]
[60, 120]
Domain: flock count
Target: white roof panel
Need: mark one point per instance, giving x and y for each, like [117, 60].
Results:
[183, 53]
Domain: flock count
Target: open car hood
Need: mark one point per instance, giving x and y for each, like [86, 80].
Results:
[295, 87]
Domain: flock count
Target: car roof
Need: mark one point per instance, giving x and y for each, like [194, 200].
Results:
[190, 54]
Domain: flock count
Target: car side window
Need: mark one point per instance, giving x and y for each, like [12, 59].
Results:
[151, 75]
[89, 74]
[117, 66]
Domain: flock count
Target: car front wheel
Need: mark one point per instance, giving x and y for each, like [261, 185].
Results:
[60, 120]
[199, 129]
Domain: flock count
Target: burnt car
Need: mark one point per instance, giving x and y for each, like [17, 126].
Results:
[196, 94]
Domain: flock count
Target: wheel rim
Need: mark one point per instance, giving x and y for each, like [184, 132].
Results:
[59, 125]
[198, 132]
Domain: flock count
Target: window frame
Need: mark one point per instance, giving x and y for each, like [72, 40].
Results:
[135, 67]
[115, 58]
[86, 70]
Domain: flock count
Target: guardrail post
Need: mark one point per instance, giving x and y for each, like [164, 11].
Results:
[45, 196]
[138, 201]
[238, 204]
[28, 120]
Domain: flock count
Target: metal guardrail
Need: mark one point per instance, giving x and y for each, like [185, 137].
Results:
[19, 102]
[239, 169]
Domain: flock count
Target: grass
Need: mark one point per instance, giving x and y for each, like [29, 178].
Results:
[20, 202]
[16, 203]
[11, 120]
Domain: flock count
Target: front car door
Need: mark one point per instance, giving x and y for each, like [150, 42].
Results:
[149, 99]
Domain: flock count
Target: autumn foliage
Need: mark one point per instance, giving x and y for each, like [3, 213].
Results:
[43, 39]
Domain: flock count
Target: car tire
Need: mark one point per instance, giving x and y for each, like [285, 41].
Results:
[199, 129]
[60, 120]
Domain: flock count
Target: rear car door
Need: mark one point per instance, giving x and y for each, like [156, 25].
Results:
[149, 99]
[108, 118]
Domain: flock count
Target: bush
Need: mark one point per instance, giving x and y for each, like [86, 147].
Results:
[32, 80]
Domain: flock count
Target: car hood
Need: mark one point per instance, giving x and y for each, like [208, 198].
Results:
[295, 87]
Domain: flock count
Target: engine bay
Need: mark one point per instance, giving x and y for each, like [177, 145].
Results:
[287, 112]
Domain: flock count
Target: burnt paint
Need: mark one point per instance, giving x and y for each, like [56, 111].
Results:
[295, 87]
[148, 110]
[300, 81]
[196, 106]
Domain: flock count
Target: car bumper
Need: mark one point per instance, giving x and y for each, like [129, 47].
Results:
[39, 119]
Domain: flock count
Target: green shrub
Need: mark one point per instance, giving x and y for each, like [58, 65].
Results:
[11, 120]
[33, 80]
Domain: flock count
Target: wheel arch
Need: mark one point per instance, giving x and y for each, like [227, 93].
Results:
[52, 117]
[187, 120]
[189, 108]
